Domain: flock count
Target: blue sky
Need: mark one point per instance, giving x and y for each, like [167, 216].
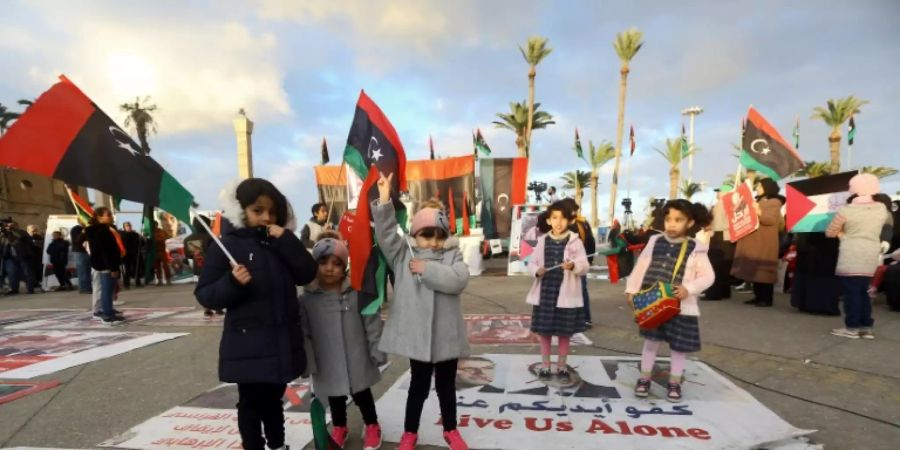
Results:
[445, 68]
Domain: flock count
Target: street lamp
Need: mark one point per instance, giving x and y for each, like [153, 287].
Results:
[693, 111]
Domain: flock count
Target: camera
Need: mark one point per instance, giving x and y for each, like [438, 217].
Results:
[626, 203]
[538, 187]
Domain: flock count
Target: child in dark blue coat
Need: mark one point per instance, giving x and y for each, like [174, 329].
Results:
[262, 340]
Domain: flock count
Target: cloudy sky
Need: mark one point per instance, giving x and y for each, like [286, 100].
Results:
[445, 68]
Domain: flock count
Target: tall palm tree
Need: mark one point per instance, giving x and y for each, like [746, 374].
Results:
[6, 118]
[673, 156]
[627, 44]
[689, 189]
[814, 169]
[577, 180]
[880, 172]
[597, 157]
[838, 111]
[140, 118]
[535, 52]
[516, 120]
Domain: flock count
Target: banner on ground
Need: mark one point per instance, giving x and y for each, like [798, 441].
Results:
[63, 224]
[12, 390]
[12, 316]
[32, 353]
[450, 180]
[332, 183]
[84, 320]
[501, 404]
[503, 184]
[523, 238]
[742, 217]
[506, 329]
[195, 318]
[812, 203]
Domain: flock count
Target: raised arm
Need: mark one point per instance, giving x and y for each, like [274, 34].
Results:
[390, 242]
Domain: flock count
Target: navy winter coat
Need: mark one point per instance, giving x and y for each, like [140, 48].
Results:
[262, 340]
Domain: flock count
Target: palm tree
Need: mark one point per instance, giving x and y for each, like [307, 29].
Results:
[839, 111]
[6, 118]
[536, 51]
[673, 156]
[689, 189]
[880, 172]
[577, 180]
[627, 44]
[517, 121]
[814, 169]
[597, 157]
[140, 117]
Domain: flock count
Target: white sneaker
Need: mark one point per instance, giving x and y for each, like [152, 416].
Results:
[118, 302]
[845, 332]
[866, 333]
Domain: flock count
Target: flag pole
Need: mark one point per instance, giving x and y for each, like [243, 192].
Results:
[628, 173]
[331, 205]
[218, 242]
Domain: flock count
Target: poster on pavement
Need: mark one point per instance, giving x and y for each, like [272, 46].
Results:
[195, 318]
[502, 405]
[32, 353]
[12, 316]
[12, 390]
[86, 321]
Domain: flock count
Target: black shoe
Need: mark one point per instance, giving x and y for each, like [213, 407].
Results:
[7, 294]
[544, 374]
[674, 394]
[642, 388]
[752, 301]
[564, 376]
[112, 320]
[208, 313]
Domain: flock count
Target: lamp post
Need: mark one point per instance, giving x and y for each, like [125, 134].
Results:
[693, 112]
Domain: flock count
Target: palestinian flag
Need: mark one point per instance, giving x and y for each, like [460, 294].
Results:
[812, 203]
[480, 144]
[332, 190]
[373, 148]
[851, 132]
[503, 183]
[64, 135]
[765, 151]
[83, 209]
[450, 180]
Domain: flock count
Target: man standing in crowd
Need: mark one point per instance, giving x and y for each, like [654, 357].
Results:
[82, 259]
[132, 241]
[37, 261]
[59, 259]
[19, 259]
[316, 225]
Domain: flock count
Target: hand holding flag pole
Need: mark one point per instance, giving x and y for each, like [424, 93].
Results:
[566, 262]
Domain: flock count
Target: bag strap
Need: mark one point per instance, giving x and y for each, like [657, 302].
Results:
[684, 246]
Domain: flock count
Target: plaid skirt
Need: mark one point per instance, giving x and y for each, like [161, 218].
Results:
[682, 333]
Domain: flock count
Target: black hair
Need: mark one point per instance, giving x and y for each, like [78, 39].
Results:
[770, 190]
[702, 218]
[101, 211]
[433, 232]
[658, 216]
[681, 205]
[542, 224]
[317, 207]
[573, 205]
[563, 206]
[885, 200]
[253, 188]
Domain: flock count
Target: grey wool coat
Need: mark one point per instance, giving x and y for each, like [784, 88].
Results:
[344, 359]
[425, 321]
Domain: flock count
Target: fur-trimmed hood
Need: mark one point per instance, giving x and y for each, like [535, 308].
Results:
[234, 214]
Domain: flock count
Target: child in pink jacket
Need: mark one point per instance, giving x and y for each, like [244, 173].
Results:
[556, 292]
[694, 275]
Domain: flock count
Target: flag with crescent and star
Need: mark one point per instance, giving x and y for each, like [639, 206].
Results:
[765, 151]
[64, 135]
[503, 185]
[373, 148]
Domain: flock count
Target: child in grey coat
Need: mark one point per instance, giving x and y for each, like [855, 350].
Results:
[345, 357]
[425, 323]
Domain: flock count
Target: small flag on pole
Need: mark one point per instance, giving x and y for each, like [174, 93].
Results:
[851, 132]
[797, 135]
[82, 209]
[431, 146]
[480, 144]
[325, 157]
[578, 150]
[633, 144]
[684, 143]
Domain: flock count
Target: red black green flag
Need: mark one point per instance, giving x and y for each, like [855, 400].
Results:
[373, 147]
[64, 135]
[503, 182]
[450, 180]
[765, 151]
[83, 209]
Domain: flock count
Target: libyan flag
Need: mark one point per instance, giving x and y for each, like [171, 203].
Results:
[452, 181]
[812, 203]
[373, 148]
[765, 151]
[503, 182]
[332, 190]
[64, 135]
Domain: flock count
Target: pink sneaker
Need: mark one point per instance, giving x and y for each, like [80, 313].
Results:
[455, 440]
[372, 437]
[408, 441]
[339, 435]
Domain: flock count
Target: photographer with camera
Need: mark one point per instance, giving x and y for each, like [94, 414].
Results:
[17, 251]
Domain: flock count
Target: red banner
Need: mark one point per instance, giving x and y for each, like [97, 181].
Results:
[742, 217]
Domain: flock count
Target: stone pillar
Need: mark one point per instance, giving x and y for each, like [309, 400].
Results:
[243, 128]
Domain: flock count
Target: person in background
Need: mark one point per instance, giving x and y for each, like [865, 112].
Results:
[552, 197]
[161, 257]
[721, 249]
[195, 246]
[756, 255]
[580, 225]
[316, 225]
[18, 263]
[106, 261]
[82, 259]
[37, 260]
[59, 259]
[132, 242]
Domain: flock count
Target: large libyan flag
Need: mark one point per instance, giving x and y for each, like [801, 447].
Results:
[64, 135]
[503, 185]
[450, 180]
[765, 151]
